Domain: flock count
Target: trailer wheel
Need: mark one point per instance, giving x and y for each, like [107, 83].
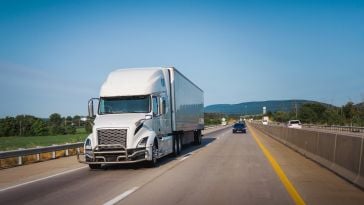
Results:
[198, 137]
[94, 166]
[153, 162]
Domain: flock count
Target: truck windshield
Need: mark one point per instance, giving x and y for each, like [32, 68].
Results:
[126, 104]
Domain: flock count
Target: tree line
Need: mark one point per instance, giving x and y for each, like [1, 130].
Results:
[316, 113]
[28, 125]
[213, 118]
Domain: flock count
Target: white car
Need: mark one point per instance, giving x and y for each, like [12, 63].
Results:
[294, 124]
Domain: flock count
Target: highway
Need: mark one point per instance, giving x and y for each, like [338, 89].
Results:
[226, 169]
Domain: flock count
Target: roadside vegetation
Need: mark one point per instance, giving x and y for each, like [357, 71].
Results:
[26, 131]
[27, 125]
[316, 113]
[212, 118]
[16, 142]
[349, 114]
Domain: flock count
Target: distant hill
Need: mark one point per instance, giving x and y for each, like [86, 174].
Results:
[253, 108]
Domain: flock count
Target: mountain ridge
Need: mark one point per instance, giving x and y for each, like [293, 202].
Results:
[256, 107]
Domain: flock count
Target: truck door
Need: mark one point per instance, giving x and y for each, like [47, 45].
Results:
[161, 125]
[165, 118]
[157, 121]
[156, 115]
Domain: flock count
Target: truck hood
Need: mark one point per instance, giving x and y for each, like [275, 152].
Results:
[118, 120]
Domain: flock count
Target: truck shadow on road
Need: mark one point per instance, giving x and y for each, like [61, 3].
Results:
[187, 150]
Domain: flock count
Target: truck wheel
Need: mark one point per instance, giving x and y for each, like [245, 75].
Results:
[175, 146]
[153, 162]
[179, 144]
[94, 166]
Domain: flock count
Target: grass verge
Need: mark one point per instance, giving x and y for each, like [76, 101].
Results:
[13, 143]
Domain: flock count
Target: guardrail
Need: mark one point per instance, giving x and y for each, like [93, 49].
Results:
[341, 153]
[336, 128]
[37, 151]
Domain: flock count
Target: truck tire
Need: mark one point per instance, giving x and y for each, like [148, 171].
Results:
[175, 146]
[198, 137]
[179, 144]
[94, 166]
[153, 162]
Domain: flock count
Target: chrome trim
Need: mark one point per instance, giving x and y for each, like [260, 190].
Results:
[122, 155]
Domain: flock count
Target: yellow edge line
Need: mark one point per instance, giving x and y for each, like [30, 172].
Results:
[282, 176]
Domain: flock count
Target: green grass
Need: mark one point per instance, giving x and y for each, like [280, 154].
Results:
[13, 143]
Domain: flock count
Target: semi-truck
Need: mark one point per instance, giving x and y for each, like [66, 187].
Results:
[265, 120]
[143, 114]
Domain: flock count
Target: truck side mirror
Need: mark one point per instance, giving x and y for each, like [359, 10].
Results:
[91, 110]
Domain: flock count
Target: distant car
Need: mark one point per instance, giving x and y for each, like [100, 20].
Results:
[265, 122]
[294, 124]
[239, 127]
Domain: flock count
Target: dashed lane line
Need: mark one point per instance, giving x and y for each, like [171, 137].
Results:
[121, 196]
[41, 179]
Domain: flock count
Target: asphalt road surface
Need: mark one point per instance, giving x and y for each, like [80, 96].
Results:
[226, 169]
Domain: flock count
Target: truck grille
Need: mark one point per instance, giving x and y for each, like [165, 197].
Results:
[112, 136]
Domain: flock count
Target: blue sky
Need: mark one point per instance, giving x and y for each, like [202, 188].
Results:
[54, 55]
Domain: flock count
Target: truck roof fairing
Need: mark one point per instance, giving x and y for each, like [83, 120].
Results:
[135, 81]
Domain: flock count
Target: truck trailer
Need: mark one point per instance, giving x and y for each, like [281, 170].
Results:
[143, 114]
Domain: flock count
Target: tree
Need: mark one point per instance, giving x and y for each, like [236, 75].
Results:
[8, 127]
[55, 119]
[332, 117]
[88, 126]
[70, 129]
[280, 116]
[40, 128]
[349, 112]
[24, 124]
[55, 124]
[57, 130]
[77, 120]
[307, 115]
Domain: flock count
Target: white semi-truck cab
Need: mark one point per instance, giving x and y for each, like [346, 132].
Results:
[142, 115]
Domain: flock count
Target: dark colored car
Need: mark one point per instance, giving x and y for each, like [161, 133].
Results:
[239, 127]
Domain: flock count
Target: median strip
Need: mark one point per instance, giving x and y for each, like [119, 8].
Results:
[282, 176]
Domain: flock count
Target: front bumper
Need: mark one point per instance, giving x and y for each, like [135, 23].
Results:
[117, 155]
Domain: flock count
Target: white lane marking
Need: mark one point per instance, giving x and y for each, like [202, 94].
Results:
[121, 196]
[41, 179]
[185, 157]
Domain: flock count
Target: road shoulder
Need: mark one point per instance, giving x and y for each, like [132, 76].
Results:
[316, 184]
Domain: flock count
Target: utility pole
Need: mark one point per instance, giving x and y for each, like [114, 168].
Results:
[20, 128]
[296, 110]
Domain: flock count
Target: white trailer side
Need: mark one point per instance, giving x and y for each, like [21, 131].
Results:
[187, 103]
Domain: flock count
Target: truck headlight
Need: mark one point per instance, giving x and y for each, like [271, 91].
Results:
[142, 142]
[88, 144]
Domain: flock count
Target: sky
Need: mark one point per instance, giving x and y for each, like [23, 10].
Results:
[55, 55]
